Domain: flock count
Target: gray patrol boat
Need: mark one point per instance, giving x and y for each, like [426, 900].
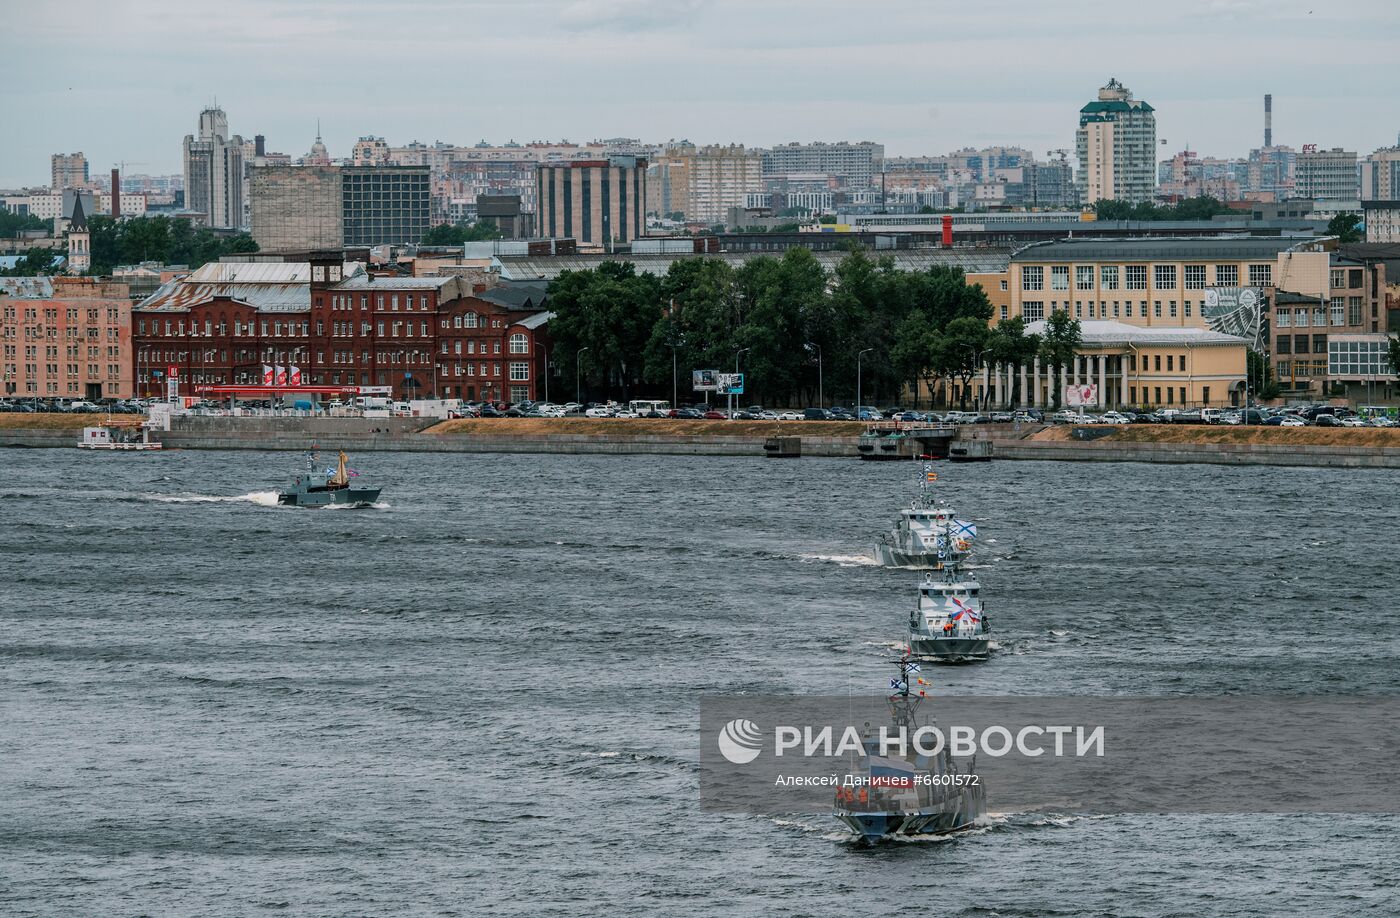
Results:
[950, 624]
[908, 795]
[925, 536]
[329, 489]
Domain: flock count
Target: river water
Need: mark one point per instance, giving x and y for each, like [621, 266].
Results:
[480, 697]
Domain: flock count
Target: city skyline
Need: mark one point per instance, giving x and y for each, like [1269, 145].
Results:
[681, 70]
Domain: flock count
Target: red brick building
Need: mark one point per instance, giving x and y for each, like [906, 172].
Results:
[425, 337]
[65, 337]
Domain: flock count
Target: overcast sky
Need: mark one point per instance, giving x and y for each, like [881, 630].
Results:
[126, 80]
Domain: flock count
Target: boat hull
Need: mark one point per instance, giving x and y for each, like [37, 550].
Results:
[339, 497]
[872, 826]
[890, 556]
[951, 650]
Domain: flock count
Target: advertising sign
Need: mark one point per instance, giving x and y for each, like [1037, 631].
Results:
[704, 381]
[730, 383]
[1238, 311]
[1082, 396]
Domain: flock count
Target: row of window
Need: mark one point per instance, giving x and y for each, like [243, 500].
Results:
[1134, 277]
[1298, 344]
[1034, 310]
[342, 302]
[1335, 313]
[1152, 395]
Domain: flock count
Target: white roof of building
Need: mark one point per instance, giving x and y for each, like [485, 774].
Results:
[1101, 332]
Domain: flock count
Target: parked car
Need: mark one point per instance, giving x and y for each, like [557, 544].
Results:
[817, 414]
[1327, 420]
[713, 415]
[1292, 420]
[869, 413]
[1002, 417]
[1353, 422]
[1113, 417]
[789, 416]
[688, 414]
[600, 412]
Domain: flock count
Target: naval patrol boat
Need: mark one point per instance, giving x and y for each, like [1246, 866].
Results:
[950, 623]
[926, 536]
[908, 795]
[329, 489]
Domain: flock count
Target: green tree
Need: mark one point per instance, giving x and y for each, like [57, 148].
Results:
[1011, 346]
[961, 350]
[13, 224]
[612, 311]
[1261, 375]
[171, 240]
[460, 233]
[36, 262]
[927, 209]
[1344, 227]
[1393, 348]
[1063, 336]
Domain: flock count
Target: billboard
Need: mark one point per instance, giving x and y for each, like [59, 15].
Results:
[729, 383]
[1237, 311]
[704, 381]
[1082, 396]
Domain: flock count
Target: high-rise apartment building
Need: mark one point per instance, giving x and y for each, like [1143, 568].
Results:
[597, 202]
[1380, 175]
[214, 171]
[703, 183]
[1117, 147]
[1327, 175]
[300, 208]
[69, 170]
[847, 166]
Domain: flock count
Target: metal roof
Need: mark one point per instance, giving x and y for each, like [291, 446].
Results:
[31, 288]
[1160, 248]
[262, 272]
[548, 267]
[536, 320]
[394, 283]
[1100, 332]
[267, 286]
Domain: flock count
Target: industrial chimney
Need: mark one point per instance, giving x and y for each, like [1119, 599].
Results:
[1268, 119]
[259, 146]
[116, 193]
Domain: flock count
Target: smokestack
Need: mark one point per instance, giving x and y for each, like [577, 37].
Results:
[1268, 119]
[116, 193]
[259, 146]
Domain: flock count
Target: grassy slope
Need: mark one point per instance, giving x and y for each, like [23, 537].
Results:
[15, 421]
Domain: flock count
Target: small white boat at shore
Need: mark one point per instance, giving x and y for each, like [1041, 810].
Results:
[118, 438]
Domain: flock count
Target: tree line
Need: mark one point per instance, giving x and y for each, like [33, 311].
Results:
[794, 329]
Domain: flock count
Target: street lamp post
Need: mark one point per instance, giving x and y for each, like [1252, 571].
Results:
[733, 402]
[821, 391]
[859, 355]
[578, 381]
[675, 386]
[976, 361]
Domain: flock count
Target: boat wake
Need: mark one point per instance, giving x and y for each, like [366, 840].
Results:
[843, 560]
[261, 498]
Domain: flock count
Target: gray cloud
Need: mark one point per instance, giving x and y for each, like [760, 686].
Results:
[129, 84]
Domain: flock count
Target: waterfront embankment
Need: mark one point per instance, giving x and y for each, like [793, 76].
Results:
[1326, 447]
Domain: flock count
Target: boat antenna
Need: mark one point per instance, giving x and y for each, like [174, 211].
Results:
[903, 700]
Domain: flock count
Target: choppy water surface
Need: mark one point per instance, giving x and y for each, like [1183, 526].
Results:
[480, 697]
